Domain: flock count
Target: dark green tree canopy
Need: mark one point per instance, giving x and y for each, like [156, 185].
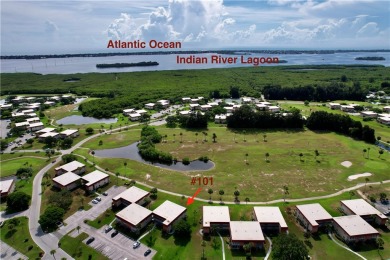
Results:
[18, 201]
[289, 247]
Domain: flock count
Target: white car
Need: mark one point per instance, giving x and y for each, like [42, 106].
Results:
[98, 199]
[136, 244]
[95, 201]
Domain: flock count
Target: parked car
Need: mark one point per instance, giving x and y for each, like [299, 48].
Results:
[90, 240]
[386, 213]
[147, 252]
[108, 229]
[136, 244]
[98, 199]
[105, 193]
[113, 234]
[95, 201]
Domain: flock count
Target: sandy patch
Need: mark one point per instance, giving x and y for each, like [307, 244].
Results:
[346, 164]
[354, 177]
[148, 176]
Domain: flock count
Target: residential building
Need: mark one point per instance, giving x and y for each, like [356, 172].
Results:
[274, 109]
[229, 109]
[205, 107]
[364, 209]
[270, 219]
[74, 166]
[44, 131]
[194, 106]
[313, 216]
[33, 120]
[22, 125]
[95, 179]
[6, 107]
[73, 133]
[368, 114]
[217, 217]
[127, 112]
[386, 109]
[186, 99]
[262, 107]
[245, 232]
[134, 117]
[130, 196]
[6, 187]
[168, 214]
[36, 126]
[134, 217]
[247, 100]
[49, 103]
[220, 119]
[185, 113]
[347, 108]
[384, 120]
[353, 228]
[42, 137]
[68, 181]
[164, 103]
[334, 106]
[212, 104]
[150, 105]
[141, 111]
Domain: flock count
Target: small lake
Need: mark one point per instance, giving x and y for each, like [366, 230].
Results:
[83, 120]
[131, 152]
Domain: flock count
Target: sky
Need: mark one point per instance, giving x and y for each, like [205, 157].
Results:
[59, 27]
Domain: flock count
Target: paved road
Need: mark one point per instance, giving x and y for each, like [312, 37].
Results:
[4, 216]
[10, 253]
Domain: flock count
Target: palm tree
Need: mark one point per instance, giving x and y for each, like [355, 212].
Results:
[236, 194]
[364, 152]
[300, 156]
[234, 137]
[316, 153]
[93, 154]
[78, 229]
[210, 191]
[181, 137]
[351, 194]
[264, 138]
[221, 192]
[174, 135]
[247, 200]
[244, 133]
[380, 153]
[368, 152]
[214, 137]
[367, 180]
[285, 191]
[205, 135]
[196, 134]
[246, 156]
[266, 157]
[125, 164]
[117, 177]
[203, 244]
[53, 252]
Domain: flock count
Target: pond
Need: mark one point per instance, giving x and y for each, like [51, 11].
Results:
[83, 120]
[131, 152]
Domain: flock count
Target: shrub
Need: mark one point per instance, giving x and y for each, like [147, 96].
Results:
[186, 161]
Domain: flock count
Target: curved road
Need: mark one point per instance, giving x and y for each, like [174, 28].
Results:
[49, 241]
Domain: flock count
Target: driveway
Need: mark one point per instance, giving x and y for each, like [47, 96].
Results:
[9, 253]
[97, 209]
[118, 247]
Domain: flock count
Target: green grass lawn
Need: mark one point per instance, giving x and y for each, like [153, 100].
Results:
[256, 179]
[19, 238]
[10, 167]
[78, 250]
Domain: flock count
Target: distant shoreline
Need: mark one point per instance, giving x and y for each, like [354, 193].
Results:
[370, 58]
[125, 65]
[226, 52]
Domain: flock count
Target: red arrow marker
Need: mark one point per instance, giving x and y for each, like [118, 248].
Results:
[191, 200]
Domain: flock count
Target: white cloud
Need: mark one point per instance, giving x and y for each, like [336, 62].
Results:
[200, 21]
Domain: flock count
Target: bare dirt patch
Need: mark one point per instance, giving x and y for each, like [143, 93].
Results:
[346, 164]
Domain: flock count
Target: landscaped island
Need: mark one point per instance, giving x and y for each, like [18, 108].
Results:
[124, 65]
[370, 58]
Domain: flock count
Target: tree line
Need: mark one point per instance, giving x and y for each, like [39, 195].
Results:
[147, 148]
[332, 91]
[343, 124]
[246, 117]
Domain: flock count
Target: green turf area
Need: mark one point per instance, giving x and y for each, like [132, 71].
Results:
[255, 178]
[78, 250]
[19, 238]
[9, 167]
[115, 139]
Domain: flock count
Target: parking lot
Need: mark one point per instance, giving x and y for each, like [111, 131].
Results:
[118, 247]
